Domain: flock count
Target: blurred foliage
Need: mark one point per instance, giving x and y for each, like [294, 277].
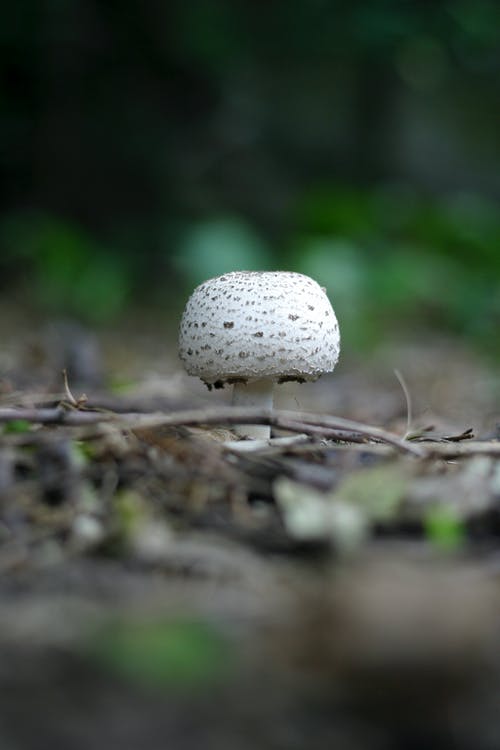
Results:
[65, 269]
[213, 247]
[444, 528]
[146, 146]
[15, 427]
[396, 259]
[175, 655]
[392, 260]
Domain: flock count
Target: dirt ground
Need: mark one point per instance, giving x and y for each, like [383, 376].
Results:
[166, 585]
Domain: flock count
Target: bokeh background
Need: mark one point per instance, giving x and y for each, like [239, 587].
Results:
[147, 146]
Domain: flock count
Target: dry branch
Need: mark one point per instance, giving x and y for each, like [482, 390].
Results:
[456, 450]
[314, 424]
[53, 415]
[317, 425]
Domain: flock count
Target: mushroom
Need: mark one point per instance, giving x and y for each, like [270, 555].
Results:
[253, 329]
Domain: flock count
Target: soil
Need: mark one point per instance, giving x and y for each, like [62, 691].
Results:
[165, 584]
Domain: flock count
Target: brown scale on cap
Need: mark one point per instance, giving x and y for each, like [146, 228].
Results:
[285, 307]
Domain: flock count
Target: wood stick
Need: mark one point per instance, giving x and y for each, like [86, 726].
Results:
[319, 425]
[310, 423]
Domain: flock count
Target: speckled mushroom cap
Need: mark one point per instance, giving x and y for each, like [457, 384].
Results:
[248, 325]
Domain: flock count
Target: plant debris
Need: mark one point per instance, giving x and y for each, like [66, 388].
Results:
[152, 552]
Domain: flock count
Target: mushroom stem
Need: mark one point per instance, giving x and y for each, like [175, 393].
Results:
[255, 393]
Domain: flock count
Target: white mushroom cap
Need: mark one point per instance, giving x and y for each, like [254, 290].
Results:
[248, 325]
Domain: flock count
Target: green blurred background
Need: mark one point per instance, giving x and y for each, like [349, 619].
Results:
[147, 146]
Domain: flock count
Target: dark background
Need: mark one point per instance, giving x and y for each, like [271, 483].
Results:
[146, 146]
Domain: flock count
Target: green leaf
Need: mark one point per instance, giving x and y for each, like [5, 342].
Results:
[179, 654]
[311, 516]
[379, 490]
[217, 246]
[16, 426]
[444, 527]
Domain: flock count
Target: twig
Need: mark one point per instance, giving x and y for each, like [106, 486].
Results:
[290, 420]
[455, 450]
[71, 399]
[53, 415]
[407, 395]
[319, 425]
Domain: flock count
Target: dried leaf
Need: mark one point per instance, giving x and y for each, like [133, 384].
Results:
[378, 491]
[312, 516]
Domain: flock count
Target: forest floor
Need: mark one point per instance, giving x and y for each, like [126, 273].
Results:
[165, 584]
